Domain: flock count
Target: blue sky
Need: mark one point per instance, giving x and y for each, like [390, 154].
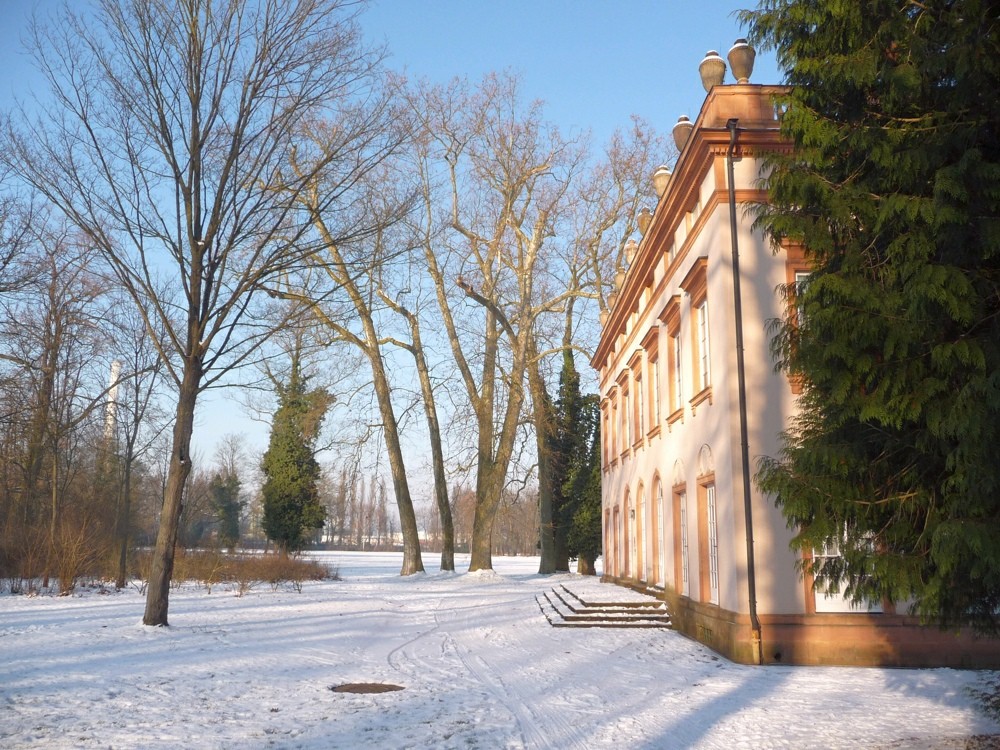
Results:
[594, 64]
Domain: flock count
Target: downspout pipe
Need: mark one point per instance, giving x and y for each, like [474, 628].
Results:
[732, 126]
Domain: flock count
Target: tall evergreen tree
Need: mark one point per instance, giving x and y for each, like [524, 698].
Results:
[582, 487]
[893, 188]
[574, 444]
[225, 490]
[552, 422]
[292, 507]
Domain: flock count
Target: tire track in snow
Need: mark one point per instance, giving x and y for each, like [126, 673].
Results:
[529, 720]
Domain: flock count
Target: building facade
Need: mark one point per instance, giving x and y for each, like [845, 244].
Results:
[677, 520]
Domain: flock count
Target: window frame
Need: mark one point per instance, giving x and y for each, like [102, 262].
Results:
[651, 345]
[708, 540]
[671, 317]
[695, 283]
[795, 264]
[682, 551]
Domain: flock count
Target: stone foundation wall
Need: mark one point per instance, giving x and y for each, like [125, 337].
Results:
[883, 640]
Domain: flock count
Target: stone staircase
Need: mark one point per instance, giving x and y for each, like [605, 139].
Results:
[565, 609]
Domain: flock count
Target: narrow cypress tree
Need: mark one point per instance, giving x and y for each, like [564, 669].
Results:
[576, 469]
[565, 444]
[582, 488]
[225, 490]
[291, 473]
[893, 188]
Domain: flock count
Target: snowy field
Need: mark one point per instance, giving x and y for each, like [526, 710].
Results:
[479, 665]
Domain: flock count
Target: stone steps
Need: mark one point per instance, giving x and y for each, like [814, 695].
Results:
[565, 609]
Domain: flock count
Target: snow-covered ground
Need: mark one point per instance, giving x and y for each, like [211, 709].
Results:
[479, 664]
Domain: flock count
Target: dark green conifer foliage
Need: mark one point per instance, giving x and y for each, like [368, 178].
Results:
[225, 489]
[893, 188]
[579, 482]
[291, 473]
[564, 442]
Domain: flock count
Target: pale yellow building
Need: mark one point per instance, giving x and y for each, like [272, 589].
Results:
[675, 508]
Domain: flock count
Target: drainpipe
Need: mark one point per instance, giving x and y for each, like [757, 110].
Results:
[731, 126]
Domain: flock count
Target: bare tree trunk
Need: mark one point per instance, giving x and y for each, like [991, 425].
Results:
[437, 458]
[412, 562]
[122, 522]
[488, 485]
[180, 467]
[416, 348]
[494, 457]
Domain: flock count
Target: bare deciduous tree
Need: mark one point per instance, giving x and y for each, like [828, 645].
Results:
[343, 294]
[136, 416]
[506, 173]
[170, 127]
[601, 220]
[415, 347]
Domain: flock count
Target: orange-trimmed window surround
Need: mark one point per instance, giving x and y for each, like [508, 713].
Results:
[671, 317]
[696, 285]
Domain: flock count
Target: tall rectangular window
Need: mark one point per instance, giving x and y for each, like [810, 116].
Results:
[626, 419]
[681, 541]
[797, 274]
[671, 316]
[659, 542]
[704, 359]
[654, 369]
[650, 414]
[696, 285]
[708, 541]
[713, 546]
[615, 426]
[640, 426]
[676, 372]
[686, 589]
[606, 432]
[801, 279]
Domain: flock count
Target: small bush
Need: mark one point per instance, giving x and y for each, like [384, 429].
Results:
[241, 571]
[22, 557]
[141, 563]
[76, 552]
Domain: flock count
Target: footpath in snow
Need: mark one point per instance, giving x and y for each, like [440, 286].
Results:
[479, 665]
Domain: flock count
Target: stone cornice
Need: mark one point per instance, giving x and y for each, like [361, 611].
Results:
[753, 106]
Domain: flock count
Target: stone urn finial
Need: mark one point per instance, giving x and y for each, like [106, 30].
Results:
[630, 249]
[712, 69]
[661, 178]
[682, 131]
[604, 314]
[644, 219]
[741, 58]
[612, 299]
[619, 279]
